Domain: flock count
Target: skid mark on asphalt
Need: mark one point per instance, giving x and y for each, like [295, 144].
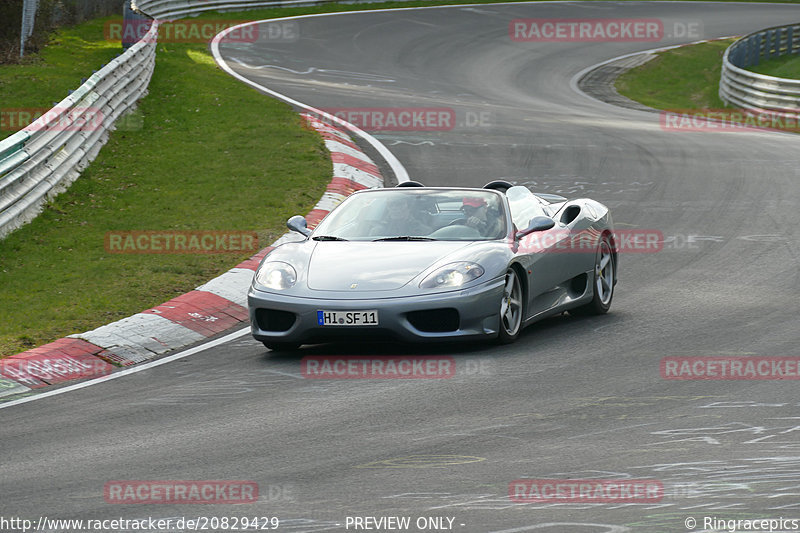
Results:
[575, 185]
[423, 461]
[332, 73]
[555, 527]
[208, 391]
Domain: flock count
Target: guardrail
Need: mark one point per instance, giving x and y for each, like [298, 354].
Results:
[171, 9]
[758, 92]
[44, 158]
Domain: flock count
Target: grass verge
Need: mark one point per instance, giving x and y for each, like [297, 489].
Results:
[686, 81]
[678, 79]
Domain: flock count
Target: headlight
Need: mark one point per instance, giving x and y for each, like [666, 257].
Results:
[453, 275]
[276, 275]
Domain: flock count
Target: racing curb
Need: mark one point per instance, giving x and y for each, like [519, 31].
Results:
[208, 310]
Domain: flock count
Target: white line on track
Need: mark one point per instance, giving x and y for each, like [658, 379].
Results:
[138, 368]
[398, 169]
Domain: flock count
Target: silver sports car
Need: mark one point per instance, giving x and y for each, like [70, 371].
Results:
[425, 264]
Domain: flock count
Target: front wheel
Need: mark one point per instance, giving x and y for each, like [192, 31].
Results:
[511, 309]
[602, 281]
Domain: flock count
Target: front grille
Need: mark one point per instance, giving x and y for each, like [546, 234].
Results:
[273, 320]
[435, 320]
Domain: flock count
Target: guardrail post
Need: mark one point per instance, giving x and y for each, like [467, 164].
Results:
[775, 49]
[796, 35]
[754, 50]
[134, 25]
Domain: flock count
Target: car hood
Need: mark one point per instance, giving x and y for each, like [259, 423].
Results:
[373, 266]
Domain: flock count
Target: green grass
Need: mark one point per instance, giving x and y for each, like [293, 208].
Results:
[781, 67]
[222, 158]
[686, 80]
[678, 79]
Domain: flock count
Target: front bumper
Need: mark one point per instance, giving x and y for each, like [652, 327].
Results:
[401, 318]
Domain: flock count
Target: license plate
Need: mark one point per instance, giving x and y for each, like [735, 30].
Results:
[348, 318]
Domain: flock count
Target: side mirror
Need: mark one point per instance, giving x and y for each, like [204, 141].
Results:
[298, 223]
[539, 223]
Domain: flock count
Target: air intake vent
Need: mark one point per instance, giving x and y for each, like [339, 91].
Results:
[435, 320]
[272, 320]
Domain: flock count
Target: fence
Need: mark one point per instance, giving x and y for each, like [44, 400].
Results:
[758, 92]
[29, 8]
[26, 24]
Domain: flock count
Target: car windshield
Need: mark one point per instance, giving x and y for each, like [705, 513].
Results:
[413, 214]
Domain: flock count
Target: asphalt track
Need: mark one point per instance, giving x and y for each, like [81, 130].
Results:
[572, 399]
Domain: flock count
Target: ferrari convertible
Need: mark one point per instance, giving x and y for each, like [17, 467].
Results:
[425, 264]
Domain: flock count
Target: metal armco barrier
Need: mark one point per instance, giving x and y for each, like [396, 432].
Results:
[757, 92]
[172, 9]
[44, 158]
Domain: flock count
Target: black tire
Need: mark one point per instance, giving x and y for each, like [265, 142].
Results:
[512, 309]
[602, 281]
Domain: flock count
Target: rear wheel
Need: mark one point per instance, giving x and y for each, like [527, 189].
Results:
[602, 281]
[511, 308]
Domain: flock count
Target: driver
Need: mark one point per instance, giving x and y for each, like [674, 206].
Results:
[402, 219]
[476, 210]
